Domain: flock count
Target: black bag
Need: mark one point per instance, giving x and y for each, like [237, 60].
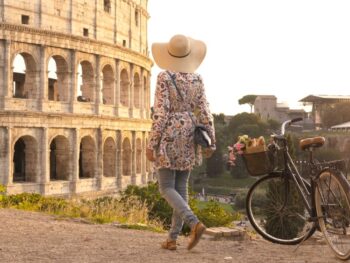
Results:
[201, 135]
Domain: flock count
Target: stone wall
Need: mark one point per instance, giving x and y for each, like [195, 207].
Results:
[86, 129]
[121, 22]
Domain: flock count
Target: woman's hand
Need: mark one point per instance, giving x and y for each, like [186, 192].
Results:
[150, 155]
[208, 152]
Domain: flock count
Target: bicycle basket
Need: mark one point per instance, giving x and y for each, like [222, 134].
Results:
[258, 163]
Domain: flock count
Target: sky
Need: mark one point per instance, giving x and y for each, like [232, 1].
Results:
[286, 48]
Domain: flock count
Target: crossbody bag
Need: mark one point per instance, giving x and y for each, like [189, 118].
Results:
[201, 135]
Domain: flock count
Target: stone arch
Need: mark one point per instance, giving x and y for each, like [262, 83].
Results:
[109, 156]
[58, 81]
[126, 159]
[124, 88]
[25, 157]
[87, 157]
[108, 81]
[137, 91]
[138, 156]
[25, 81]
[86, 82]
[60, 159]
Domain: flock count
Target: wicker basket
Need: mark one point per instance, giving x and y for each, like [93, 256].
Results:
[258, 163]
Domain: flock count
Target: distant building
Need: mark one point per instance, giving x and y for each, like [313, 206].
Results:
[318, 102]
[342, 127]
[266, 107]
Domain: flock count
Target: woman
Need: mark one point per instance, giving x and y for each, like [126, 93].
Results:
[179, 101]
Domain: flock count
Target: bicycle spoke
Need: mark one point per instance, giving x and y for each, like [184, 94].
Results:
[333, 210]
[277, 211]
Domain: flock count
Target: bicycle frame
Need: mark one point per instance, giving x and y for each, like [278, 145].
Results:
[305, 188]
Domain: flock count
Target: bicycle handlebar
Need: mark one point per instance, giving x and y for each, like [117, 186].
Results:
[289, 122]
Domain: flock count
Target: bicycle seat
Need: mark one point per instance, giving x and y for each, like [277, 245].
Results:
[314, 142]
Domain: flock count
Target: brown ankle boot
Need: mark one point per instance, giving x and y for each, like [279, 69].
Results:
[169, 244]
[196, 233]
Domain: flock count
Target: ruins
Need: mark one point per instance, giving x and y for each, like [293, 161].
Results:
[74, 95]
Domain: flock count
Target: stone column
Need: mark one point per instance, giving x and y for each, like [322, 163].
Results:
[143, 94]
[71, 16]
[143, 159]
[43, 92]
[117, 87]
[99, 166]
[148, 96]
[95, 19]
[40, 8]
[115, 22]
[98, 90]
[6, 90]
[131, 92]
[8, 162]
[2, 11]
[44, 164]
[119, 160]
[73, 84]
[75, 164]
[133, 159]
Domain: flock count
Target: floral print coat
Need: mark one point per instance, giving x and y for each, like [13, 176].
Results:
[172, 130]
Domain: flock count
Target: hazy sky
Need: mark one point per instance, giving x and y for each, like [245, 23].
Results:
[287, 48]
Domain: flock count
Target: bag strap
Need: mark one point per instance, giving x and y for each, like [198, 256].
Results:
[179, 93]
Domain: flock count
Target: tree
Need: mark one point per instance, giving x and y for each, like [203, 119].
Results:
[246, 123]
[335, 114]
[248, 99]
[215, 164]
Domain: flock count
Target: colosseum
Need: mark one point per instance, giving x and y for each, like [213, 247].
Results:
[74, 95]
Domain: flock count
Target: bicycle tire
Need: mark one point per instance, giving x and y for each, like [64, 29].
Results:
[332, 202]
[276, 211]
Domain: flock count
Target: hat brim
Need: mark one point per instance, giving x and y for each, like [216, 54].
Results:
[187, 64]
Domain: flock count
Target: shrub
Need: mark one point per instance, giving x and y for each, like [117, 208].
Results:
[27, 201]
[101, 210]
[214, 215]
[240, 200]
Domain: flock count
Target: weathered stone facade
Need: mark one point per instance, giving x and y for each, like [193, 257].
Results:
[86, 129]
[266, 107]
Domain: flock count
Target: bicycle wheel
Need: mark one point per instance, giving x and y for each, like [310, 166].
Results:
[333, 211]
[276, 210]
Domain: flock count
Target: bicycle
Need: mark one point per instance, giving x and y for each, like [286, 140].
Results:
[285, 208]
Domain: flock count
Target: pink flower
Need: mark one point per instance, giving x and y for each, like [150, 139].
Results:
[238, 147]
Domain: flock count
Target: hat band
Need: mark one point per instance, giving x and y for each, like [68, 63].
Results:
[189, 52]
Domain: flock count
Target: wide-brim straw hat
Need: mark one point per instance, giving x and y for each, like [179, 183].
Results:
[181, 54]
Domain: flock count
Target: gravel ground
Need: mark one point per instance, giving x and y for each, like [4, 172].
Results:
[36, 237]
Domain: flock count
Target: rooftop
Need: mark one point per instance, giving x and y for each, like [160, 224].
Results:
[344, 125]
[325, 98]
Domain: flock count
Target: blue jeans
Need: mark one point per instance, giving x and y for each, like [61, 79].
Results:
[173, 186]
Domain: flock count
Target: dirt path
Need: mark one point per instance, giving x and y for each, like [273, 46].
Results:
[35, 237]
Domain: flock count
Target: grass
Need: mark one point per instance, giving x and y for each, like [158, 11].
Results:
[224, 184]
[132, 212]
[203, 204]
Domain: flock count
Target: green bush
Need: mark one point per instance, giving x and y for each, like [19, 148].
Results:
[27, 201]
[214, 215]
[240, 200]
